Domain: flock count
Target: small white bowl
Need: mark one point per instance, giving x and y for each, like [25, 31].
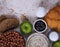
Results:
[40, 20]
[53, 36]
[41, 12]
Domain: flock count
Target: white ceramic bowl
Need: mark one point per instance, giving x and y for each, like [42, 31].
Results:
[53, 36]
[40, 20]
[41, 12]
[44, 40]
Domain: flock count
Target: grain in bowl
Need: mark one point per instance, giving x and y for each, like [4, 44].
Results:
[37, 40]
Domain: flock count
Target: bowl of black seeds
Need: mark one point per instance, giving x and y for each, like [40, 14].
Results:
[40, 25]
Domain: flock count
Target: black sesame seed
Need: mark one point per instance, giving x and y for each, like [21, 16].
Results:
[40, 26]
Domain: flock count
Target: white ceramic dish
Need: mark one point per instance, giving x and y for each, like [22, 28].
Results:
[41, 12]
[44, 38]
[53, 36]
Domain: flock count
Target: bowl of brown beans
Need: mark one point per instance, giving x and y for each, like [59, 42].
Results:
[12, 39]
